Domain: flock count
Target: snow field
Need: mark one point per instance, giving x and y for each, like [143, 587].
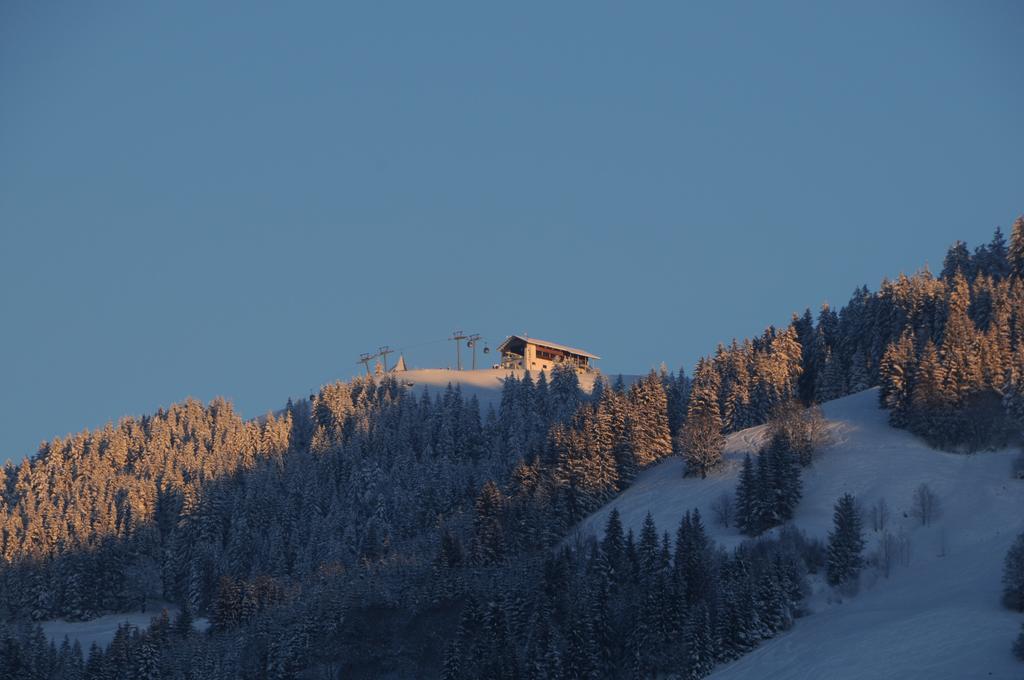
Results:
[938, 617]
[101, 630]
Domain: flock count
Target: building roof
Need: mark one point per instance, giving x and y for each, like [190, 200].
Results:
[545, 343]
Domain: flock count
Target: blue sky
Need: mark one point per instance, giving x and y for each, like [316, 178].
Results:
[239, 199]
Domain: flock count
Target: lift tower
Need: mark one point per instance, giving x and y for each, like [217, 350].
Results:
[383, 353]
[365, 358]
[458, 337]
[471, 342]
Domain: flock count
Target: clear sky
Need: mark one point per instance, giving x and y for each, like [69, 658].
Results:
[238, 198]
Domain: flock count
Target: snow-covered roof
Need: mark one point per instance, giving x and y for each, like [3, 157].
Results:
[545, 343]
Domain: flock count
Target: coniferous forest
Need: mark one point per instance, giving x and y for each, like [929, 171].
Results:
[375, 530]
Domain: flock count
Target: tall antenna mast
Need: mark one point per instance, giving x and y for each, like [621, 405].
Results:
[383, 353]
[471, 342]
[458, 337]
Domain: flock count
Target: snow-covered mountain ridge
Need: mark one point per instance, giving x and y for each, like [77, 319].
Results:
[938, 617]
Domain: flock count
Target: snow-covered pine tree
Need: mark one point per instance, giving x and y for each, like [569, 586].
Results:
[693, 559]
[677, 393]
[632, 561]
[640, 638]
[736, 405]
[960, 350]
[735, 609]
[702, 441]
[829, 383]
[70, 664]
[699, 644]
[612, 418]
[930, 401]
[845, 542]
[896, 373]
[183, 623]
[804, 326]
[596, 442]
[469, 638]
[648, 421]
[96, 664]
[763, 509]
[1015, 255]
[613, 548]
[746, 498]
[784, 474]
[488, 535]
[786, 365]
[499, 655]
[564, 394]
[670, 615]
[147, 662]
[860, 375]
[452, 669]
[957, 261]
[602, 624]
[1013, 394]
[994, 261]
[543, 653]
[828, 327]
[647, 551]
[1013, 576]
[770, 604]
[543, 402]
[598, 388]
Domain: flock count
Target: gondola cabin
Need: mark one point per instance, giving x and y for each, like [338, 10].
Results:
[530, 354]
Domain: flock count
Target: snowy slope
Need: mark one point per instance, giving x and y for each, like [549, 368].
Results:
[939, 617]
[101, 629]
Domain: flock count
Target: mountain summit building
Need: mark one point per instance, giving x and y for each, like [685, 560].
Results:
[530, 354]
